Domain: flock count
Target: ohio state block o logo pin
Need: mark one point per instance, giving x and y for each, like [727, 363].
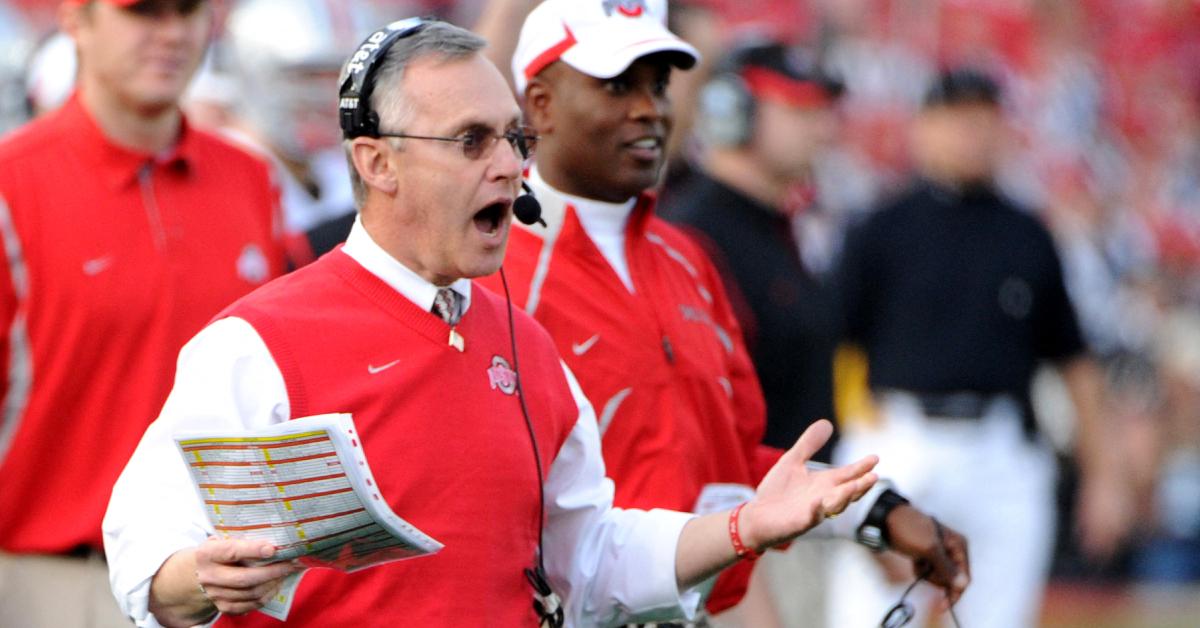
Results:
[501, 376]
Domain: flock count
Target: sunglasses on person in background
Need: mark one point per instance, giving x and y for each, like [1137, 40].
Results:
[478, 143]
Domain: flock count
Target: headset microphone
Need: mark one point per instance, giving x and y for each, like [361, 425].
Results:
[526, 208]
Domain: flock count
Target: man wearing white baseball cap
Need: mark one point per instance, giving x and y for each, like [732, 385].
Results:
[600, 38]
[635, 307]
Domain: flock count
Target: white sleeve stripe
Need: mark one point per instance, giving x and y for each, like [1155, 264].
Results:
[20, 356]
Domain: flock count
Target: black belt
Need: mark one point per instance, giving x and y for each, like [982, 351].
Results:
[83, 551]
[964, 405]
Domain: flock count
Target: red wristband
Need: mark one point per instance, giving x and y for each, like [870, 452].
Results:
[735, 535]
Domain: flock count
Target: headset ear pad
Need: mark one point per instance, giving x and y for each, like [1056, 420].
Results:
[725, 111]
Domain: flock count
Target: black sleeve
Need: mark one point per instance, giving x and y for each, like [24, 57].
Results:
[324, 237]
[852, 285]
[1057, 334]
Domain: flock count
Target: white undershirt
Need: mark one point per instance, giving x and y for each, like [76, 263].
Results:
[603, 222]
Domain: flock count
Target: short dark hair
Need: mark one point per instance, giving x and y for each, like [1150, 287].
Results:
[963, 86]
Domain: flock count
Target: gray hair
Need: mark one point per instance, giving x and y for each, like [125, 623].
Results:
[445, 41]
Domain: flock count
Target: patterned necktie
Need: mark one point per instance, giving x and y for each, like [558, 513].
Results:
[448, 305]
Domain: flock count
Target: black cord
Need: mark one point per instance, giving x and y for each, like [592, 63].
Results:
[537, 456]
[902, 612]
[941, 534]
[537, 577]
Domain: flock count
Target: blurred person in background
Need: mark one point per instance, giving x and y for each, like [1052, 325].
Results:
[636, 309]
[283, 106]
[764, 119]
[124, 230]
[499, 22]
[1170, 553]
[50, 78]
[16, 44]
[956, 294]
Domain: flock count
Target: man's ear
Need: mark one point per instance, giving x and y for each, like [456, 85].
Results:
[371, 159]
[539, 105]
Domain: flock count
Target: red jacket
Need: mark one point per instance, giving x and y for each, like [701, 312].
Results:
[675, 393]
[113, 260]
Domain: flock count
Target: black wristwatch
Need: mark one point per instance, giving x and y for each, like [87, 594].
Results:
[874, 532]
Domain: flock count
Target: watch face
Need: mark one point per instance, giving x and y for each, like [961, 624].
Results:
[871, 536]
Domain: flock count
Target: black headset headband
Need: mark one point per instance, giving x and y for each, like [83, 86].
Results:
[354, 98]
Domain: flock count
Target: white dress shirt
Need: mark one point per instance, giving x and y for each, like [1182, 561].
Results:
[610, 565]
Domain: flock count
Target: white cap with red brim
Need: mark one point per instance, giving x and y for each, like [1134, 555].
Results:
[600, 38]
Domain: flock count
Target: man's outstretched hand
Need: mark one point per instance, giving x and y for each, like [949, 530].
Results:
[793, 498]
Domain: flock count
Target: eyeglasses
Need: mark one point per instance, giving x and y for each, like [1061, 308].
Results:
[478, 143]
[902, 613]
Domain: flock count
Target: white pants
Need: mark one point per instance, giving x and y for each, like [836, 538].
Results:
[982, 477]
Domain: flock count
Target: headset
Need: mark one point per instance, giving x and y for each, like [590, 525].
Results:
[354, 98]
[725, 108]
[725, 111]
[358, 120]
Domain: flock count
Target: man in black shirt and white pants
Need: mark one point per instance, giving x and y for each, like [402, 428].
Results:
[956, 295]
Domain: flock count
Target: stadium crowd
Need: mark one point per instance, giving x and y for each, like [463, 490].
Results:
[1102, 108]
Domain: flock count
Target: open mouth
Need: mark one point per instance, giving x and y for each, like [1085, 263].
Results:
[489, 219]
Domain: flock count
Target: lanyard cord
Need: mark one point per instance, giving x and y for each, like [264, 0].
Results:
[548, 609]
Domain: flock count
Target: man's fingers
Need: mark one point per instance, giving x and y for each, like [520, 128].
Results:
[862, 485]
[840, 496]
[942, 568]
[237, 577]
[238, 608]
[956, 547]
[231, 551]
[237, 590]
[251, 594]
[854, 470]
[810, 441]
[952, 570]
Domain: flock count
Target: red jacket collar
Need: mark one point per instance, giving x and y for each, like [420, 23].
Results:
[643, 211]
[117, 165]
[574, 237]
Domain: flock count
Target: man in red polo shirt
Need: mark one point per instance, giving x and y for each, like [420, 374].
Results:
[124, 230]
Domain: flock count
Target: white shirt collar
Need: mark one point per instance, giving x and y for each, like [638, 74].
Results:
[364, 250]
[603, 222]
[597, 217]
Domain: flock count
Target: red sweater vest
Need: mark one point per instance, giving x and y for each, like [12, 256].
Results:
[442, 430]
